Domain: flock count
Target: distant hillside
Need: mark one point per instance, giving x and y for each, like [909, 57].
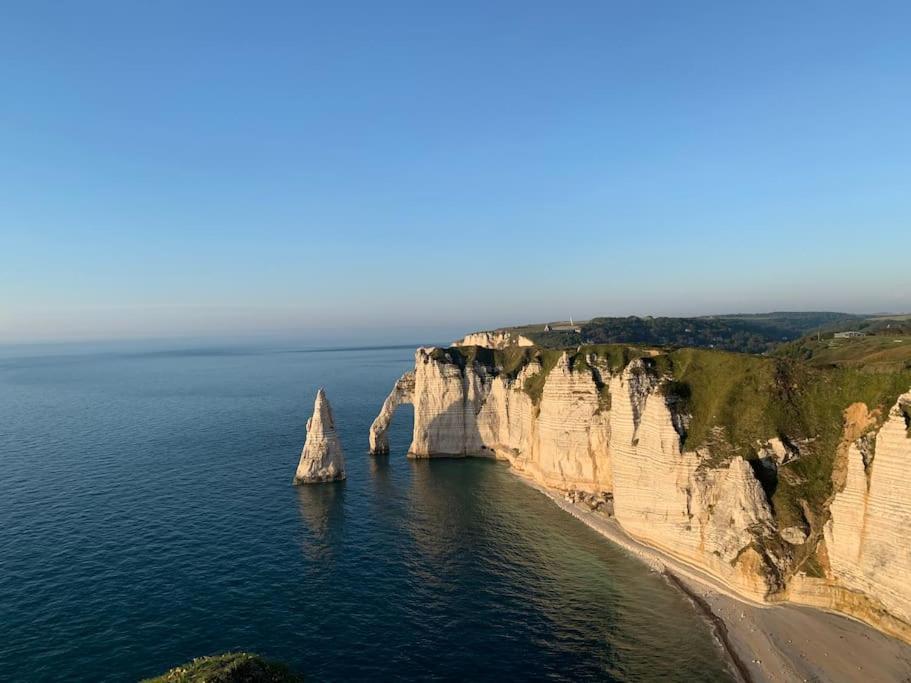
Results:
[884, 347]
[747, 333]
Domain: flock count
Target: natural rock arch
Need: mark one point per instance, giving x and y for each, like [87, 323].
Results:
[402, 392]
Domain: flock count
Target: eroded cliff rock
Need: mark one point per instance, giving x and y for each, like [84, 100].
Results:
[867, 536]
[712, 517]
[322, 458]
[742, 497]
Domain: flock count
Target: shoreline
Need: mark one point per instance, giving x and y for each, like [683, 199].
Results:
[762, 641]
[718, 626]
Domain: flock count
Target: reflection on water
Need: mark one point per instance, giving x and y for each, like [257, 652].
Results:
[379, 470]
[322, 510]
[438, 523]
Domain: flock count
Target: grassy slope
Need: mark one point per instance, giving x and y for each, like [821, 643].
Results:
[882, 352]
[745, 399]
[233, 667]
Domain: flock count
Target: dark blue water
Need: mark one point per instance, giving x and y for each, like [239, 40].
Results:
[147, 517]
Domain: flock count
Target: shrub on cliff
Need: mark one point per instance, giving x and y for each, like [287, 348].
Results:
[231, 667]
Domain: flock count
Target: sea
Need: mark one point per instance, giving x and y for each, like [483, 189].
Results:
[147, 517]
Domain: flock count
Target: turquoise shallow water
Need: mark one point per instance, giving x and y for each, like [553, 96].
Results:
[147, 517]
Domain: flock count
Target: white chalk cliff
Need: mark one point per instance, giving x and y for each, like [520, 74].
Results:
[498, 339]
[322, 458]
[868, 536]
[710, 517]
[618, 432]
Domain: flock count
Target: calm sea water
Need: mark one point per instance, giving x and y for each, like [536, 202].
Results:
[147, 517]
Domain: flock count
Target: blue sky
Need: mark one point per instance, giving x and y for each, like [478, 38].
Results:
[343, 171]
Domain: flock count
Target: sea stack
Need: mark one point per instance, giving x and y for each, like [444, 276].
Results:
[322, 458]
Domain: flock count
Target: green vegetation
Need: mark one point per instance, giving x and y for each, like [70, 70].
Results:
[508, 361]
[232, 667]
[736, 401]
[745, 333]
[754, 397]
[617, 356]
[720, 390]
[556, 338]
[534, 385]
[879, 325]
[885, 352]
[812, 567]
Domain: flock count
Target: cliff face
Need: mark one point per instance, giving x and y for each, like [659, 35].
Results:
[712, 517]
[473, 411]
[494, 340]
[867, 536]
[614, 428]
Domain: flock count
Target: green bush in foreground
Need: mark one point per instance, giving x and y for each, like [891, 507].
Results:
[231, 667]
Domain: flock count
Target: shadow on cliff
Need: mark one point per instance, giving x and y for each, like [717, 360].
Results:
[465, 433]
[399, 430]
[766, 474]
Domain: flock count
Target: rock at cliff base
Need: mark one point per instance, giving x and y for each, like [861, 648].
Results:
[794, 535]
[322, 458]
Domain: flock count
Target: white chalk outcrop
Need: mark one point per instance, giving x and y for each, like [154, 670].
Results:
[615, 434]
[867, 537]
[710, 517]
[498, 339]
[473, 411]
[322, 458]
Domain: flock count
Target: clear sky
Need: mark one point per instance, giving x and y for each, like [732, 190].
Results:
[339, 170]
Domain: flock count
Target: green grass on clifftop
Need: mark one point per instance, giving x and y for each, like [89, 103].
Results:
[232, 667]
[736, 400]
[874, 353]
